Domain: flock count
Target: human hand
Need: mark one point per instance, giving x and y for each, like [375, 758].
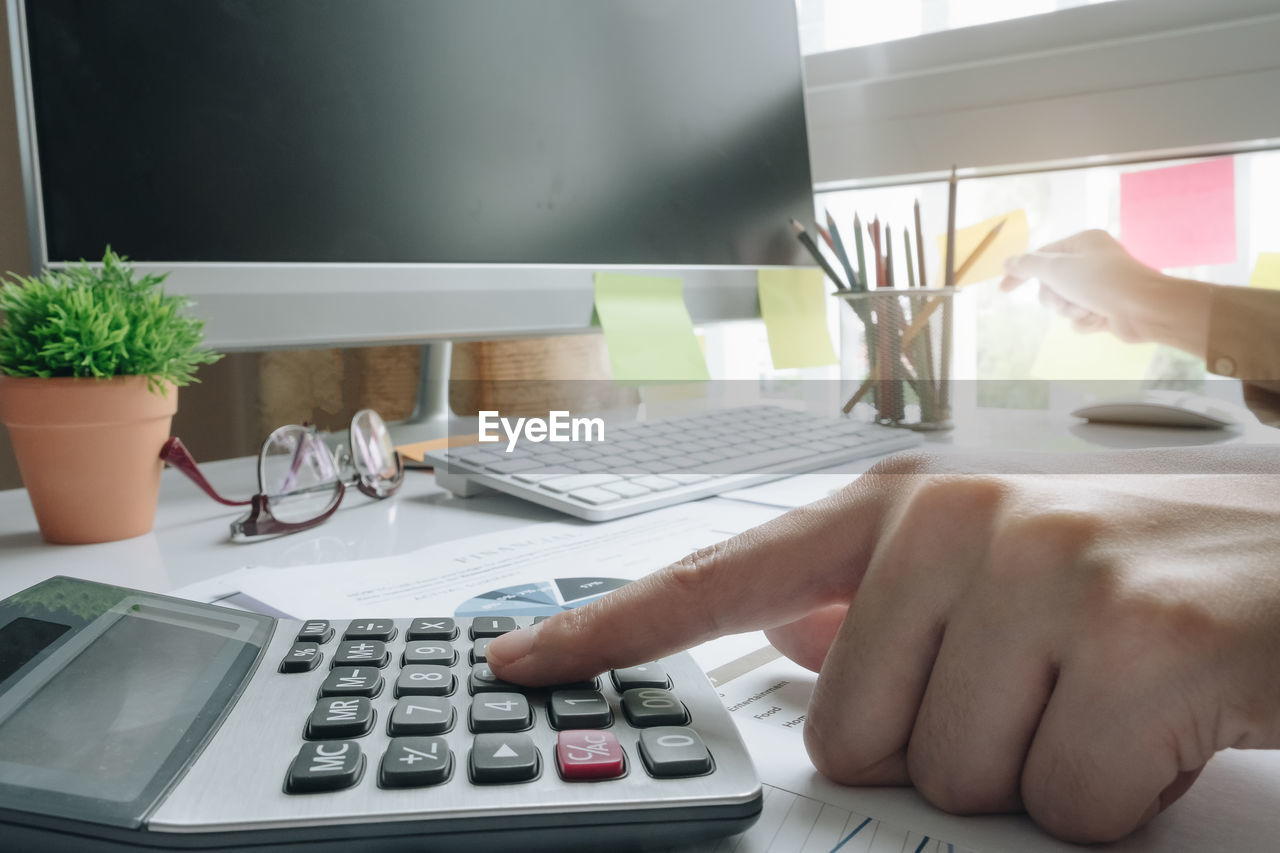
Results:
[1090, 278]
[1076, 645]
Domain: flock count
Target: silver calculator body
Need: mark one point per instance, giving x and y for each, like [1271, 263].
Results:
[129, 720]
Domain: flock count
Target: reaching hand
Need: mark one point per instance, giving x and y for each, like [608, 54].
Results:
[1076, 645]
[1091, 279]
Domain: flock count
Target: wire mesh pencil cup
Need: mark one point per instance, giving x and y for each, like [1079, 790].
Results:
[907, 346]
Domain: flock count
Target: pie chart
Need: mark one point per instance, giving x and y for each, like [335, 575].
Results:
[539, 598]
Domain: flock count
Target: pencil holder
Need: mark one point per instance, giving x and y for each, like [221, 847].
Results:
[903, 363]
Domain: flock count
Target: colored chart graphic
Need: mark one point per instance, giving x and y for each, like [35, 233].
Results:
[540, 598]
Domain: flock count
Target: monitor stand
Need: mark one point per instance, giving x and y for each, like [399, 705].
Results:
[430, 418]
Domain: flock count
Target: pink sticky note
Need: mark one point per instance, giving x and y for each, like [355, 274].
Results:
[1181, 216]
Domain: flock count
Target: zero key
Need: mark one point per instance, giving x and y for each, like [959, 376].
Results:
[670, 751]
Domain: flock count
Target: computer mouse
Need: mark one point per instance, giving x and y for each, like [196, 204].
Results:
[1163, 409]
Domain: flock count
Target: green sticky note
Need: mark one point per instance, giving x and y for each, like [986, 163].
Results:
[647, 329]
[793, 303]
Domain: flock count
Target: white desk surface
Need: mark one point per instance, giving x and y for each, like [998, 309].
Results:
[190, 541]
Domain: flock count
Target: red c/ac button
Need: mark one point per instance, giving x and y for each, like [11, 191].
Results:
[586, 754]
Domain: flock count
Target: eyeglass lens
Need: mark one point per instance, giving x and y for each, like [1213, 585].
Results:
[373, 454]
[298, 474]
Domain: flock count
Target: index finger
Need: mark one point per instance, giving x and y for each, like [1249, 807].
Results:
[770, 575]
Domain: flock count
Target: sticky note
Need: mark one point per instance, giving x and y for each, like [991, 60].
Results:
[647, 329]
[1266, 273]
[1180, 216]
[1066, 356]
[1013, 239]
[793, 303]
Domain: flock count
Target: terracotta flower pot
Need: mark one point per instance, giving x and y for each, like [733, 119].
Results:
[89, 453]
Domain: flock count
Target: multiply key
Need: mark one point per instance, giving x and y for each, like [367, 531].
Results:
[432, 628]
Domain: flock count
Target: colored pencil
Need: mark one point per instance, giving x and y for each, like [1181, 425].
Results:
[837, 245]
[978, 250]
[816, 253]
[920, 246]
[862, 261]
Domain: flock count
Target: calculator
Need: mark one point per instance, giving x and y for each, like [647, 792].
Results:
[139, 720]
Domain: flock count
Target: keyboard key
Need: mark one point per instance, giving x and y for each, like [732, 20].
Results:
[491, 626]
[513, 466]
[595, 497]
[574, 482]
[437, 653]
[340, 717]
[425, 680]
[432, 628]
[370, 629]
[315, 631]
[327, 766]
[584, 755]
[302, 657]
[689, 479]
[412, 762]
[421, 715]
[655, 483]
[483, 680]
[479, 649]
[579, 709]
[650, 706]
[645, 675]
[352, 681]
[627, 489]
[670, 751]
[356, 652]
[504, 758]
[500, 712]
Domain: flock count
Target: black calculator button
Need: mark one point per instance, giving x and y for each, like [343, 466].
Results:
[504, 758]
[432, 629]
[438, 653]
[593, 684]
[579, 709]
[483, 680]
[352, 681]
[340, 717]
[302, 657]
[412, 762]
[480, 650]
[370, 629]
[423, 680]
[421, 715]
[650, 706]
[500, 712]
[491, 626]
[315, 631]
[645, 675]
[326, 766]
[674, 751]
[361, 653]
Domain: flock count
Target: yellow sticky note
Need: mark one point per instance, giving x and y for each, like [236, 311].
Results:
[793, 303]
[1066, 356]
[1013, 239]
[1267, 271]
[647, 329]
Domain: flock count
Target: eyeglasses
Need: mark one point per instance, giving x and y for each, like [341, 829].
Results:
[301, 481]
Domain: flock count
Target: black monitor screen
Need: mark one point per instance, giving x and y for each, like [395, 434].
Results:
[425, 131]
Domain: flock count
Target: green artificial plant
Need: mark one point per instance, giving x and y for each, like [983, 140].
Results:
[98, 321]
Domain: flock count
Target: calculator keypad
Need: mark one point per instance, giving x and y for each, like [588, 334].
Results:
[431, 725]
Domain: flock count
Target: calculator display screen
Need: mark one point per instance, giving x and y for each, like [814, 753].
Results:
[109, 693]
[105, 723]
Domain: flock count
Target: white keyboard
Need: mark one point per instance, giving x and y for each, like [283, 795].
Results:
[645, 465]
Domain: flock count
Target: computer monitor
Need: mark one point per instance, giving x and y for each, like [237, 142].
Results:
[323, 172]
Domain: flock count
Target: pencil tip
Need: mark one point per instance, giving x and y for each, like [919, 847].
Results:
[795, 224]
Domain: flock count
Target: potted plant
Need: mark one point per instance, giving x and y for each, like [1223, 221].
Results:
[90, 362]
